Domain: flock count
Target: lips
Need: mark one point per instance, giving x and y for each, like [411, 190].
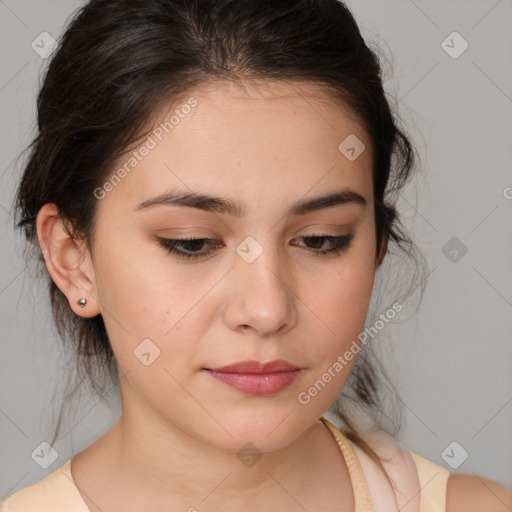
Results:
[255, 378]
[279, 365]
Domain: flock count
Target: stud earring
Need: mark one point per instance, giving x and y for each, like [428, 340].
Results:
[82, 302]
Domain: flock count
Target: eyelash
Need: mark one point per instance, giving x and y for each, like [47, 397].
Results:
[340, 244]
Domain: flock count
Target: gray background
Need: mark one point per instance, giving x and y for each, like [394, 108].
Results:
[451, 362]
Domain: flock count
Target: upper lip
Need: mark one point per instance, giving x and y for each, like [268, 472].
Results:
[279, 365]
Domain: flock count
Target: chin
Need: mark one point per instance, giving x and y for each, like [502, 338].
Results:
[260, 435]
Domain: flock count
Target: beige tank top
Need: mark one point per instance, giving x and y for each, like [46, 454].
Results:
[420, 483]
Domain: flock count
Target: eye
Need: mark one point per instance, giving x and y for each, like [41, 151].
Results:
[190, 248]
[338, 244]
[190, 244]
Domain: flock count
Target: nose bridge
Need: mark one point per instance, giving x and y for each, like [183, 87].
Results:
[258, 261]
[264, 300]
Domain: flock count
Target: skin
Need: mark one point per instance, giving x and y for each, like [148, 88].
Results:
[175, 445]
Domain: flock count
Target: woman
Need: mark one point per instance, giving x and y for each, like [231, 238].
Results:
[210, 192]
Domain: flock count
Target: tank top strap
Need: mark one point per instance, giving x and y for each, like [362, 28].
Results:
[369, 481]
[362, 497]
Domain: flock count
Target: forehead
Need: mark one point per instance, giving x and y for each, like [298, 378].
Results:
[264, 107]
[250, 138]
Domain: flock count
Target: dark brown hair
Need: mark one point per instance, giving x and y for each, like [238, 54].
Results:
[119, 60]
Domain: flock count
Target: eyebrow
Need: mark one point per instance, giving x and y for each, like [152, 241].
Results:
[235, 208]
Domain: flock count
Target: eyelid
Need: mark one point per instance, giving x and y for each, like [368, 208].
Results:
[339, 245]
[209, 233]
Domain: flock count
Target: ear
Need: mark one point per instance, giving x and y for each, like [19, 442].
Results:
[382, 250]
[68, 261]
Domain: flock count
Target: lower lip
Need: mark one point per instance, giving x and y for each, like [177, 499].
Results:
[257, 383]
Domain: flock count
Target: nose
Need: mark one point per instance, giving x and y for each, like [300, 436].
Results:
[261, 294]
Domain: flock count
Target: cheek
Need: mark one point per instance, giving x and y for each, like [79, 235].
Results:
[132, 284]
[345, 292]
[342, 304]
[340, 301]
[149, 309]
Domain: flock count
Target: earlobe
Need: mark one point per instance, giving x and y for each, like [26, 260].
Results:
[68, 262]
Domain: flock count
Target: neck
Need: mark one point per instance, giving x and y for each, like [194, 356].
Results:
[161, 460]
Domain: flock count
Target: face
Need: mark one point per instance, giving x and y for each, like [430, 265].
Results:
[260, 285]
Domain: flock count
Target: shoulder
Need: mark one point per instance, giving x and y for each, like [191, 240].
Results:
[468, 493]
[54, 492]
[434, 483]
